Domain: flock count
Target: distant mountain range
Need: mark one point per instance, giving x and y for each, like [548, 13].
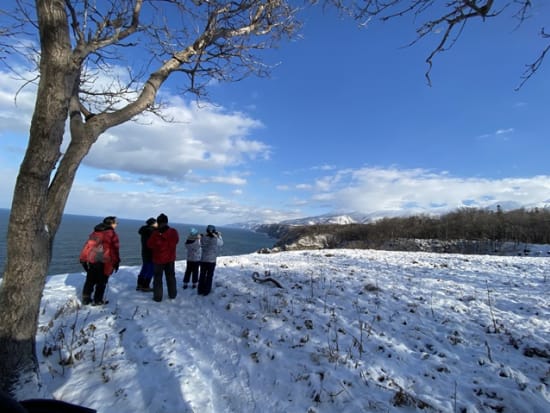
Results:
[337, 219]
[362, 218]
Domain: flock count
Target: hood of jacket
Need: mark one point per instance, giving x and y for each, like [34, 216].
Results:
[162, 228]
[102, 227]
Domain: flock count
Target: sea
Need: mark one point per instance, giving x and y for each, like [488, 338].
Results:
[74, 231]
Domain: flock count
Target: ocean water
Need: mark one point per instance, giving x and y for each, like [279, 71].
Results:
[74, 231]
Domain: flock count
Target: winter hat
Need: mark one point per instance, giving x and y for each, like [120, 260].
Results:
[162, 219]
[193, 232]
[151, 221]
[109, 220]
[210, 229]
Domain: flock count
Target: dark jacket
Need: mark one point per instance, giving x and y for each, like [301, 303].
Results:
[163, 242]
[145, 232]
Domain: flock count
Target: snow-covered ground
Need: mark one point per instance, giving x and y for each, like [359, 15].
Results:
[351, 331]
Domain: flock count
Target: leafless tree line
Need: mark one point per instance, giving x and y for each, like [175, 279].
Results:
[530, 226]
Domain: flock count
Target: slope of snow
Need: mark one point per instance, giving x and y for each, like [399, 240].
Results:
[351, 331]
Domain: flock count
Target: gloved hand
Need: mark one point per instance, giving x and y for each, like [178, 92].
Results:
[85, 265]
[116, 266]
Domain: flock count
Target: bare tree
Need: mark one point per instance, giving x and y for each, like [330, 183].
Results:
[447, 19]
[192, 42]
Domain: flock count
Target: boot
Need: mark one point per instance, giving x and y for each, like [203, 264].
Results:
[140, 283]
[145, 286]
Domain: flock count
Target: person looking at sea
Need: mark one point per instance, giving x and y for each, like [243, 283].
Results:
[147, 268]
[211, 244]
[163, 242]
[100, 257]
[194, 250]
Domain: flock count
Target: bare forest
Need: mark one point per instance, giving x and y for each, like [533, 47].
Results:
[472, 226]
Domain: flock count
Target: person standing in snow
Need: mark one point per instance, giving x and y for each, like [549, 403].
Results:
[211, 244]
[147, 269]
[99, 268]
[193, 247]
[163, 242]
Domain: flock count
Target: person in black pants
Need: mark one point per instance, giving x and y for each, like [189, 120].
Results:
[163, 242]
[147, 268]
[193, 247]
[100, 257]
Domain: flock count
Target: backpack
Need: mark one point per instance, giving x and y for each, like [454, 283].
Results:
[92, 251]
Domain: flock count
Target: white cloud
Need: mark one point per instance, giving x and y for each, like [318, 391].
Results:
[16, 104]
[370, 190]
[229, 180]
[501, 134]
[204, 138]
[179, 204]
[324, 167]
[111, 177]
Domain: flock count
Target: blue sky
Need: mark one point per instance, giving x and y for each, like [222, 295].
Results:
[346, 123]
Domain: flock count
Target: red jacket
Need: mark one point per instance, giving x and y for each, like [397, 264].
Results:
[111, 247]
[163, 243]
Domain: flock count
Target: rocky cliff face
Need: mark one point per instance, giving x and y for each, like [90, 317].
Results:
[277, 231]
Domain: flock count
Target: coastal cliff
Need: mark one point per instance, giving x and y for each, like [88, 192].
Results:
[292, 238]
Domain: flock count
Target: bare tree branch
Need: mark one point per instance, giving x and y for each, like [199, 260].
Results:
[448, 18]
[532, 68]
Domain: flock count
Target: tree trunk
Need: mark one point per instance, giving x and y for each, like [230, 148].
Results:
[33, 220]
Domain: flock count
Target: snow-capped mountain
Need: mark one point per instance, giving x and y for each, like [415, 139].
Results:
[335, 219]
[322, 219]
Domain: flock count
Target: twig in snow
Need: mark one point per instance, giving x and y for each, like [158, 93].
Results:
[489, 356]
[103, 351]
[454, 399]
[135, 312]
[256, 277]
[491, 308]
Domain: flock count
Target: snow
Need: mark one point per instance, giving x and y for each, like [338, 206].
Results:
[351, 331]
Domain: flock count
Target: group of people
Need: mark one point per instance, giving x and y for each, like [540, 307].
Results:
[158, 253]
